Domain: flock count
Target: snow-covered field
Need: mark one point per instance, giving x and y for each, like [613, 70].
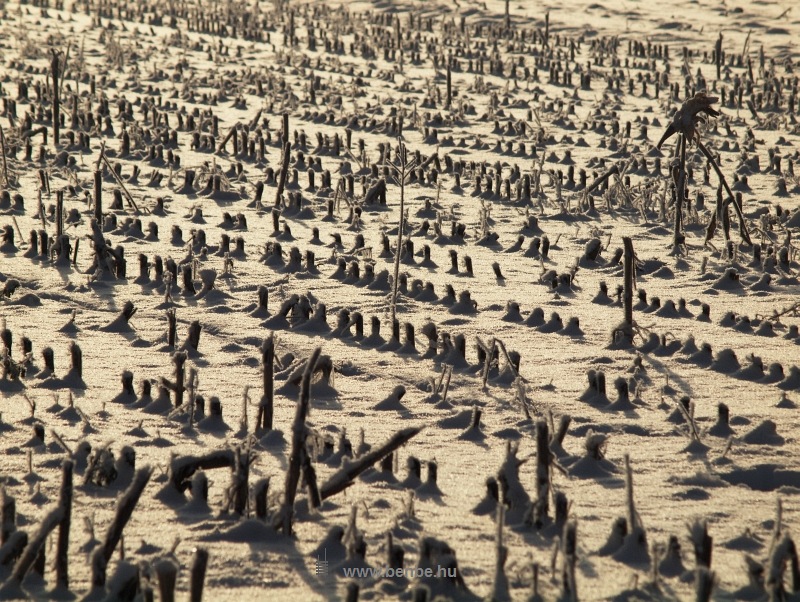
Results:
[517, 196]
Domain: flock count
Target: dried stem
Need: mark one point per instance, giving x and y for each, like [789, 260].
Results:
[402, 172]
[3, 155]
[65, 502]
[199, 566]
[742, 225]
[345, 476]
[299, 432]
[10, 588]
[284, 171]
[265, 408]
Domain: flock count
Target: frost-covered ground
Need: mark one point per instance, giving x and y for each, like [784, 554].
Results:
[569, 87]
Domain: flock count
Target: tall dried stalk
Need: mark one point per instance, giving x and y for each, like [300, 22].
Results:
[65, 502]
[286, 515]
[3, 155]
[54, 69]
[680, 196]
[402, 171]
[265, 407]
[693, 112]
[628, 278]
[283, 174]
[743, 232]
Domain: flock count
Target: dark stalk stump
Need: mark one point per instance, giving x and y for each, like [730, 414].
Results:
[199, 565]
[199, 487]
[241, 477]
[179, 360]
[561, 509]
[285, 131]
[430, 331]
[387, 464]
[260, 492]
[144, 269]
[172, 323]
[410, 337]
[703, 543]
[561, 432]
[7, 338]
[794, 562]
[263, 297]
[44, 243]
[76, 357]
[276, 221]
[569, 547]
[284, 171]
[357, 320]
[375, 327]
[193, 336]
[704, 583]
[188, 284]
[167, 572]
[59, 216]
[65, 502]
[98, 196]
[265, 409]
[453, 261]
[26, 344]
[541, 507]
[49, 360]
[8, 516]
[414, 469]
[623, 334]
[310, 478]
[450, 84]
